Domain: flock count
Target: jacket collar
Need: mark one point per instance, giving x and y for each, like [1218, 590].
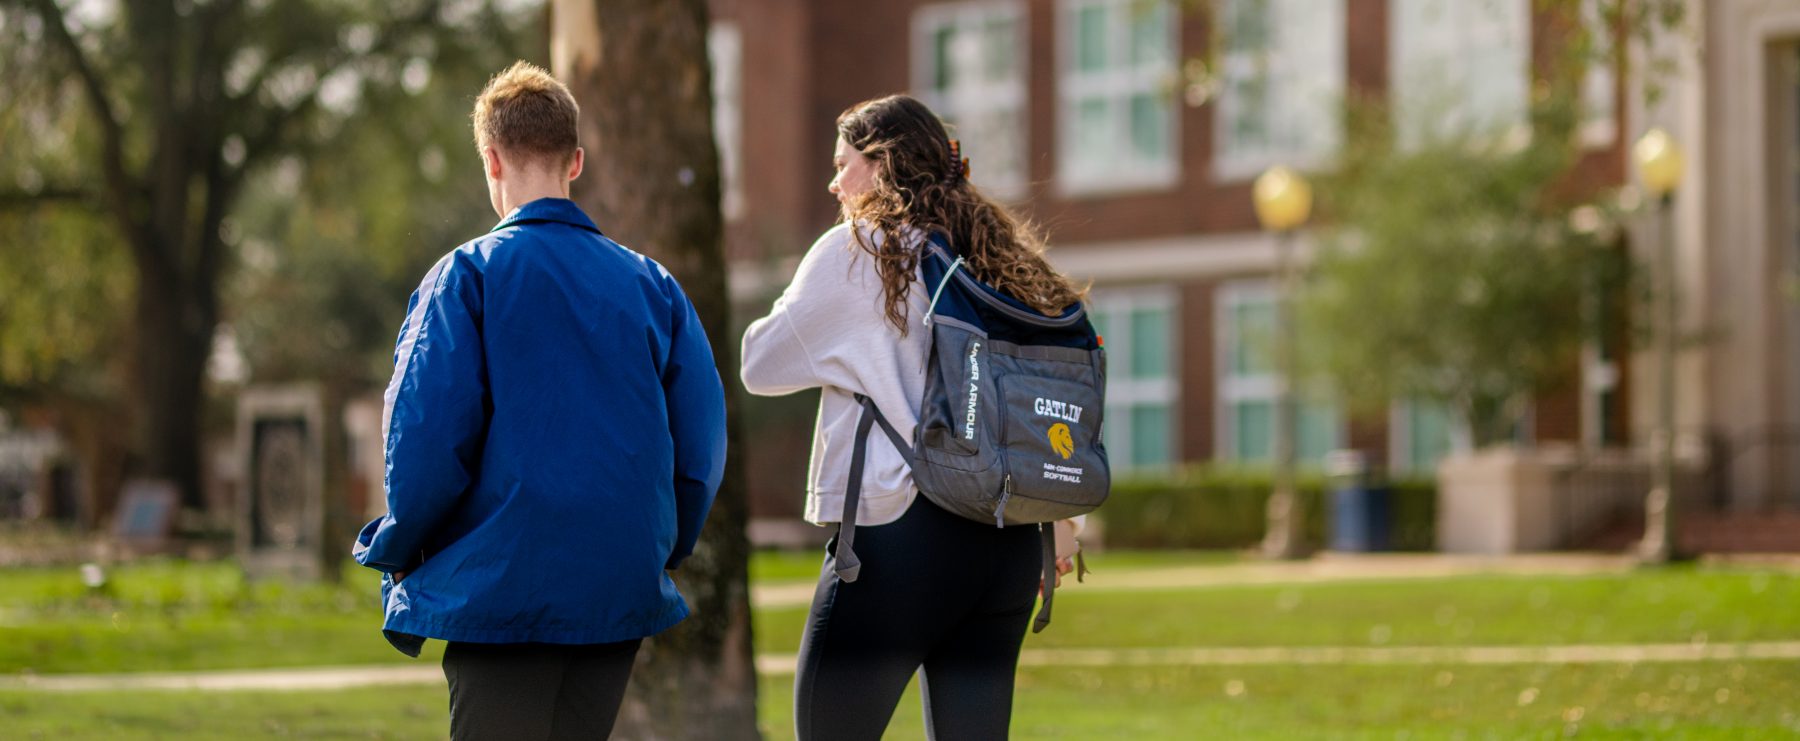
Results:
[560, 210]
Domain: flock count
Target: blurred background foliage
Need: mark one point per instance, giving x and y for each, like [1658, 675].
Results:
[277, 174]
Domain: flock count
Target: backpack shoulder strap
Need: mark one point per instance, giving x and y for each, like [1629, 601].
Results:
[848, 566]
[1047, 533]
[887, 428]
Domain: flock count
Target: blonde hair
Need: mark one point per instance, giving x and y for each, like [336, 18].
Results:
[527, 113]
[921, 182]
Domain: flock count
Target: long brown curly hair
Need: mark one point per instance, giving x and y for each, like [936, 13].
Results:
[920, 183]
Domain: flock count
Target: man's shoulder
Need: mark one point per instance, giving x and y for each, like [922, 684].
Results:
[520, 239]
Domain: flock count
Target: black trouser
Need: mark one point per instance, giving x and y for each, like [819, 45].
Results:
[936, 591]
[536, 690]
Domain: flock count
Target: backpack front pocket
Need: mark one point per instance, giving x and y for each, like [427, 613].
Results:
[1050, 445]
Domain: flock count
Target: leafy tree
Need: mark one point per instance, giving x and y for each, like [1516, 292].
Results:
[153, 116]
[1455, 277]
[333, 245]
[1453, 270]
[153, 119]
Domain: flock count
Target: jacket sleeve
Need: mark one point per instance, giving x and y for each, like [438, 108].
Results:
[819, 325]
[696, 401]
[434, 418]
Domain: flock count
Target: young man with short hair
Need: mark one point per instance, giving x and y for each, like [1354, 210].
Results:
[555, 433]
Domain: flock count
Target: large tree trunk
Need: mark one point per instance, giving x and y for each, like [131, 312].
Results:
[639, 69]
[173, 332]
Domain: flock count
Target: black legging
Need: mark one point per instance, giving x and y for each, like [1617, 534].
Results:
[936, 591]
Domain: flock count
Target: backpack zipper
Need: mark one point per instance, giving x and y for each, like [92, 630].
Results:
[1016, 313]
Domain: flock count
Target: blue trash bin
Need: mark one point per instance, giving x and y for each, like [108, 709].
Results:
[1359, 507]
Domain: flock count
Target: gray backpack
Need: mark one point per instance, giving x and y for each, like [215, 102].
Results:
[1009, 426]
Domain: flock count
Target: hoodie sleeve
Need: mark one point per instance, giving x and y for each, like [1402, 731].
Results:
[696, 400]
[434, 417]
[818, 333]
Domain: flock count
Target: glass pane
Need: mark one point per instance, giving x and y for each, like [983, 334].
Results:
[1150, 435]
[1149, 344]
[943, 44]
[1090, 39]
[1253, 430]
[1249, 124]
[1249, 24]
[1252, 332]
[1092, 134]
[1149, 32]
[1428, 435]
[1150, 126]
[1597, 92]
[998, 54]
[1318, 425]
[1007, 149]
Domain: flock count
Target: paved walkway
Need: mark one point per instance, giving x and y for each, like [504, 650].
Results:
[345, 677]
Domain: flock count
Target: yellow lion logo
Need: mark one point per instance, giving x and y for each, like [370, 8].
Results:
[1061, 440]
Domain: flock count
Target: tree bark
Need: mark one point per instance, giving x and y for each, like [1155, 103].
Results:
[177, 259]
[171, 352]
[639, 69]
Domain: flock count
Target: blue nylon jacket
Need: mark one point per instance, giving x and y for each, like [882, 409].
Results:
[555, 433]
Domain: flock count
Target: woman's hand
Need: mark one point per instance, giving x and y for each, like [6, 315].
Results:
[1066, 548]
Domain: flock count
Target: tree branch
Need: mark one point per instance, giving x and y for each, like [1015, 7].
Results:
[12, 200]
[119, 184]
[262, 142]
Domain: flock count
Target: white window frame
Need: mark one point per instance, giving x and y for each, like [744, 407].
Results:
[979, 96]
[1414, 124]
[725, 49]
[1232, 161]
[1077, 177]
[1233, 389]
[1122, 390]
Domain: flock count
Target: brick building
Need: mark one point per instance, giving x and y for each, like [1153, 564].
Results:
[1078, 112]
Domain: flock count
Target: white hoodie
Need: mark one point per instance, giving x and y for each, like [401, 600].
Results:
[829, 330]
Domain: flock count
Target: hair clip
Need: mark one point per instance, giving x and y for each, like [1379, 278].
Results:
[959, 165]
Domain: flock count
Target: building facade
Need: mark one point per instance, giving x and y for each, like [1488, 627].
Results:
[1086, 115]
[1734, 104]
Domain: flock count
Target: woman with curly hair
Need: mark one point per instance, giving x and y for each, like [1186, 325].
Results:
[936, 592]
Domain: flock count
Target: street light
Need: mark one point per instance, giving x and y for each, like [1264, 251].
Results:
[1660, 164]
[1283, 200]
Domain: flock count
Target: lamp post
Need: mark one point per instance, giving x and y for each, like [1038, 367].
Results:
[1660, 164]
[1283, 200]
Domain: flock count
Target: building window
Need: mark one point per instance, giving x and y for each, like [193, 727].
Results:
[969, 66]
[1116, 112]
[1459, 67]
[1418, 436]
[1248, 385]
[726, 48]
[1138, 328]
[1599, 103]
[1283, 69]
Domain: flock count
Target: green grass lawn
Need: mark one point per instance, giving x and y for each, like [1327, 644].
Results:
[176, 616]
[1674, 605]
[1751, 700]
[161, 616]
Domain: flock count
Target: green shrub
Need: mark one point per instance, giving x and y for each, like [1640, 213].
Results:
[1212, 506]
